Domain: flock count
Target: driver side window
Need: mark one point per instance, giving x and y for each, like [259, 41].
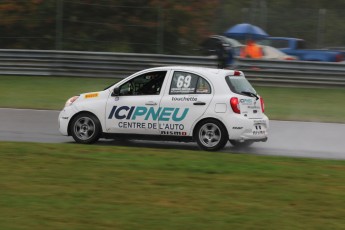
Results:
[145, 84]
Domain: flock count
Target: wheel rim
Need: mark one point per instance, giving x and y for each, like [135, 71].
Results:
[84, 128]
[210, 135]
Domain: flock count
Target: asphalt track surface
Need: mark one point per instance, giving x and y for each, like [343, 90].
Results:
[286, 138]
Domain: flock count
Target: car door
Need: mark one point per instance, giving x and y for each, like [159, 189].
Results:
[136, 107]
[184, 102]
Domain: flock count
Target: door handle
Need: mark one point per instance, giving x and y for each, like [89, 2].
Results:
[199, 103]
[150, 103]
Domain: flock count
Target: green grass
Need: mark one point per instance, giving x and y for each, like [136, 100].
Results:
[45, 92]
[281, 103]
[304, 104]
[70, 186]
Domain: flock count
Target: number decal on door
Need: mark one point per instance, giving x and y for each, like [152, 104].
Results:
[184, 81]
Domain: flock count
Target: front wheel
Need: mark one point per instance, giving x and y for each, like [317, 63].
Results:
[211, 135]
[85, 128]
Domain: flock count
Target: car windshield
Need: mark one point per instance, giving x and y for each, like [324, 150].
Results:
[240, 85]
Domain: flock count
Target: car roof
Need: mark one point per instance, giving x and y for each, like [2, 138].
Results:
[197, 69]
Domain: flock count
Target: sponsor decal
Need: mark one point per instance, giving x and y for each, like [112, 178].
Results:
[171, 126]
[259, 132]
[182, 84]
[259, 122]
[258, 127]
[246, 101]
[184, 99]
[143, 125]
[148, 113]
[165, 115]
[91, 95]
[132, 125]
[237, 127]
[174, 133]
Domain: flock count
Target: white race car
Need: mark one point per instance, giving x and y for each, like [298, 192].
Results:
[209, 106]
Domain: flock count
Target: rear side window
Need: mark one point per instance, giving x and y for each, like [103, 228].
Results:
[188, 83]
[239, 85]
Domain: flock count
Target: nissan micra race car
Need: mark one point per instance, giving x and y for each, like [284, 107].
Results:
[209, 106]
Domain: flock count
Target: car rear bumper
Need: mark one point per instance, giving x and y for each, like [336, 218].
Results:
[244, 129]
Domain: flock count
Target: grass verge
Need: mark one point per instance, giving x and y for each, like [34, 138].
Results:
[45, 92]
[301, 104]
[69, 186]
[281, 103]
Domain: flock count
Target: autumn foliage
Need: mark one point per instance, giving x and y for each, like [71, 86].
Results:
[146, 26]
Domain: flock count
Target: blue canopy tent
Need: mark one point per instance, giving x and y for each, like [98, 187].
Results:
[246, 31]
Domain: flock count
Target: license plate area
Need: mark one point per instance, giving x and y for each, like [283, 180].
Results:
[259, 129]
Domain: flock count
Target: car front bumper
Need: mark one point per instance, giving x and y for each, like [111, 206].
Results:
[64, 118]
[63, 123]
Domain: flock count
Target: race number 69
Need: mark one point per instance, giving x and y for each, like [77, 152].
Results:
[184, 81]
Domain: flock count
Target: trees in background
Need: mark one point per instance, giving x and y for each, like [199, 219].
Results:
[155, 26]
[29, 23]
[144, 26]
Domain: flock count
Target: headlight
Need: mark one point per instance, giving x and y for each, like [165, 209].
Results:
[71, 100]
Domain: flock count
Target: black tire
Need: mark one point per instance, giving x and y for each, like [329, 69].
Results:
[239, 144]
[211, 135]
[85, 128]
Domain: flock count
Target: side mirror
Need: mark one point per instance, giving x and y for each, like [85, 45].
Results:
[116, 92]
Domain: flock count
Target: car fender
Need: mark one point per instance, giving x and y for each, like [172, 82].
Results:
[94, 103]
[208, 116]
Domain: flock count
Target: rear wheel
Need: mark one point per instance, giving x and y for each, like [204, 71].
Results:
[211, 135]
[85, 128]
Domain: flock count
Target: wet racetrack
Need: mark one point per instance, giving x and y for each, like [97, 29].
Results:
[286, 138]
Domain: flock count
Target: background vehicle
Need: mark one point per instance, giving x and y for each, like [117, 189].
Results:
[223, 47]
[226, 49]
[296, 47]
[209, 106]
[272, 53]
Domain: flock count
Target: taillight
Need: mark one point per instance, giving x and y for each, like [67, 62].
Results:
[339, 57]
[262, 104]
[235, 105]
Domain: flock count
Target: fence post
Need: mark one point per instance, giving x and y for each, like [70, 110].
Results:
[321, 28]
[59, 24]
[160, 25]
